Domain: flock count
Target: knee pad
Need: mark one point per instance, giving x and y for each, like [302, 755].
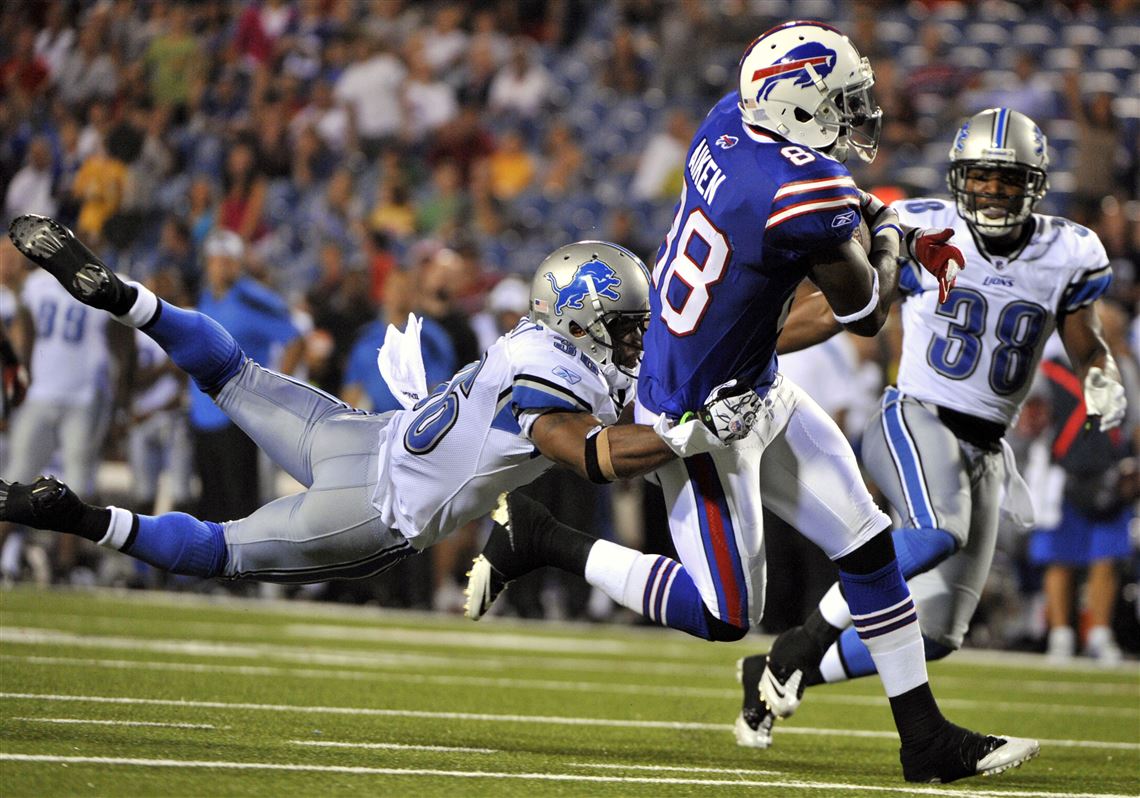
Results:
[721, 632]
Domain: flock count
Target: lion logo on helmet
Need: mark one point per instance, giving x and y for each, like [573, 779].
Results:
[794, 66]
[574, 293]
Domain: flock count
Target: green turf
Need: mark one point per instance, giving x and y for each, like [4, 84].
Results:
[561, 709]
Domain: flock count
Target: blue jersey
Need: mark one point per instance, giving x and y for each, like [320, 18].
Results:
[753, 209]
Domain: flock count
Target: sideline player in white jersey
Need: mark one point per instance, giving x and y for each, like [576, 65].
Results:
[379, 487]
[936, 446]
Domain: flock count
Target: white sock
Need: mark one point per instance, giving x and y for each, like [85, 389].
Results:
[831, 666]
[900, 659]
[146, 304]
[623, 574]
[120, 529]
[1099, 637]
[833, 608]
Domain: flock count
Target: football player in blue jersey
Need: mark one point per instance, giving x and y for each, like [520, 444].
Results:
[766, 202]
[936, 446]
[379, 486]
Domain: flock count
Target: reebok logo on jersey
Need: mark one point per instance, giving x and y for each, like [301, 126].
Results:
[1005, 281]
[726, 142]
[844, 219]
[603, 278]
[568, 375]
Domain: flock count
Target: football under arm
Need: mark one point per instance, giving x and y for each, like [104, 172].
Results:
[859, 286]
[632, 449]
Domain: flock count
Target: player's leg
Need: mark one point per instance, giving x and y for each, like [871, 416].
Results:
[948, 594]
[811, 479]
[931, 481]
[33, 439]
[330, 531]
[525, 536]
[278, 413]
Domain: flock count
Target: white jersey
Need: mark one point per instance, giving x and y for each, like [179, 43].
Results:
[164, 390]
[70, 359]
[977, 353]
[446, 462]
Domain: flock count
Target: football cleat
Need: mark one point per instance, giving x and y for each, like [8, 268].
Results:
[508, 554]
[753, 727]
[957, 753]
[782, 683]
[44, 504]
[54, 248]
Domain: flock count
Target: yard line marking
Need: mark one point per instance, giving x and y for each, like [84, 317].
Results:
[120, 723]
[479, 716]
[568, 777]
[397, 746]
[683, 768]
[359, 657]
[511, 683]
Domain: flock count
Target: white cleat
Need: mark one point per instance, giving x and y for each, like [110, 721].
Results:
[478, 593]
[782, 697]
[1011, 755]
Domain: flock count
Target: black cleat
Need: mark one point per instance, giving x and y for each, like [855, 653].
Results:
[753, 727]
[506, 556]
[54, 248]
[45, 504]
[957, 753]
[782, 684]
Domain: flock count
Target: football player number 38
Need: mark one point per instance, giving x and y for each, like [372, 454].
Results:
[1018, 332]
[698, 277]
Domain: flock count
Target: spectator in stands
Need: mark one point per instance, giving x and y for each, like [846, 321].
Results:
[225, 458]
[243, 201]
[464, 141]
[393, 215]
[563, 161]
[260, 28]
[370, 88]
[511, 167]
[659, 167]
[55, 39]
[99, 186]
[174, 59]
[445, 42]
[442, 209]
[626, 71]
[522, 86]
[443, 277]
[24, 75]
[1097, 144]
[1028, 89]
[429, 101]
[32, 188]
[330, 121]
[88, 71]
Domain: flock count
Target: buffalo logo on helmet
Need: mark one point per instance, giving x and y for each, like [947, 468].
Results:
[573, 294]
[794, 66]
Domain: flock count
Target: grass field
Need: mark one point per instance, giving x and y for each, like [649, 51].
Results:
[157, 694]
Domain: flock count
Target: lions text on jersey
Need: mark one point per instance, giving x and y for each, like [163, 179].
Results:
[752, 210]
[976, 353]
[438, 474]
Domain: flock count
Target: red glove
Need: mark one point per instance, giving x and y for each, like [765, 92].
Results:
[930, 249]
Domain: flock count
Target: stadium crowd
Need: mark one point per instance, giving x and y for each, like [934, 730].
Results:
[307, 171]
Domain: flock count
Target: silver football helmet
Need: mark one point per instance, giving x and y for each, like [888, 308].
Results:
[596, 295]
[998, 169]
[806, 82]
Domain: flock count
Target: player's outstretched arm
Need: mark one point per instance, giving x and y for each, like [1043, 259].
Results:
[624, 451]
[1084, 342]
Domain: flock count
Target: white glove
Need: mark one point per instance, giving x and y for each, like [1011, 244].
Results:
[688, 438]
[730, 411]
[1104, 397]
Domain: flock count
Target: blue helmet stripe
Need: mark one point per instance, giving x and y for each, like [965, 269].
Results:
[1001, 129]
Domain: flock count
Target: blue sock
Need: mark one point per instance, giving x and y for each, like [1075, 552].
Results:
[920, 549]
[685, 610]
[857, 660]
[197, 344]
[179, 543]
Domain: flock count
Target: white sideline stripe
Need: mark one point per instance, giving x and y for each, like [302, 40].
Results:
[480, 716]
[120, 723]
[509, 683]
[397, 746]
[570, 777]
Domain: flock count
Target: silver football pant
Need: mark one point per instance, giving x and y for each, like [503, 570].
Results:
[934, 480]
[331, 530]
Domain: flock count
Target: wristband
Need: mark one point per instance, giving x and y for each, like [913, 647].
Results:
[886, 226]
[870, 308]
[593, 466]
[605, 456]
